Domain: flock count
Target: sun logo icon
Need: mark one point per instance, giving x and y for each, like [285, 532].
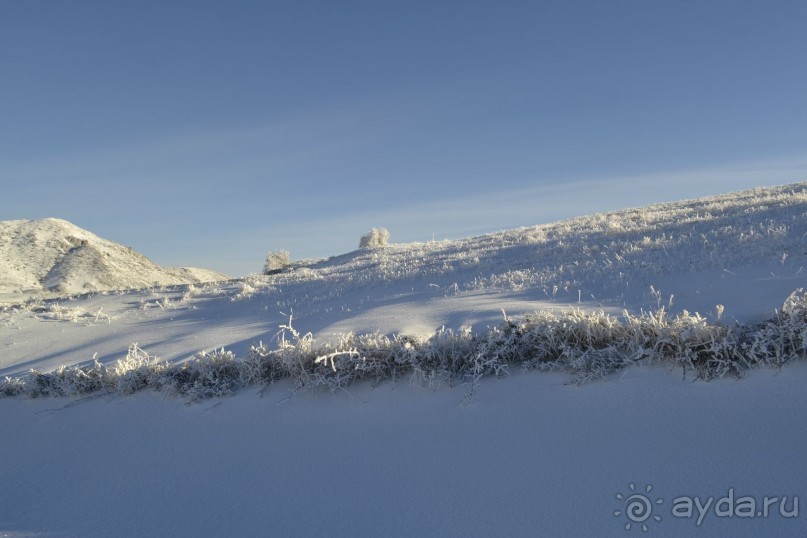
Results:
[638, 507]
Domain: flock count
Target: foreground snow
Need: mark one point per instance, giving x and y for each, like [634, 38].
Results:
[529, 456]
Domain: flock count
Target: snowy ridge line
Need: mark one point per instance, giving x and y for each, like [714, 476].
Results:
[588, 345]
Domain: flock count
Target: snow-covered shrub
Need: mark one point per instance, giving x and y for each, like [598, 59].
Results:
[207, 375]
[58, 312]
[588, 344]
[190, 292]
[453, 353]
[11, 386]
[79, 380]
[261, 366]
[133, 373]
[53, 383]
[276, 261]
[690, 341]
[784, 337]
[377, 237]
[246, 289]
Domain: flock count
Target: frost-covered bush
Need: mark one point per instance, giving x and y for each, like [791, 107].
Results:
[208, 375]
[276, 261]
[133, 373]
[784, 337]
[377, 237]
[247, 287]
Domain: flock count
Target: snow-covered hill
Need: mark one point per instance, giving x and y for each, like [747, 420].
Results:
[57, 257]
[690, 255]
[528, 454]
[695, 250]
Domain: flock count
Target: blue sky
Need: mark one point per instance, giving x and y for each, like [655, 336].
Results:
[206, 133]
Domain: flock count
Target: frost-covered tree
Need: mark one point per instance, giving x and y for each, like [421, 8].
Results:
[377, 237]
[276, 261]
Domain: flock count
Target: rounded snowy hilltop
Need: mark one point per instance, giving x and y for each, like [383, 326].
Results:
[54, 256]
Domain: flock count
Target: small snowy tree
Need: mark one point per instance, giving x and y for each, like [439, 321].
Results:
[378, 237]
[276, 261]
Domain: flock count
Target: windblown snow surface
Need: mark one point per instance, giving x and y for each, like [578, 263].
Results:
[528, 454]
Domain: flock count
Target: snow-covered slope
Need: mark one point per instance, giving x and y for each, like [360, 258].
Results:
[53, 255]
[745, 251]
[528, 455]
[693, 249]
